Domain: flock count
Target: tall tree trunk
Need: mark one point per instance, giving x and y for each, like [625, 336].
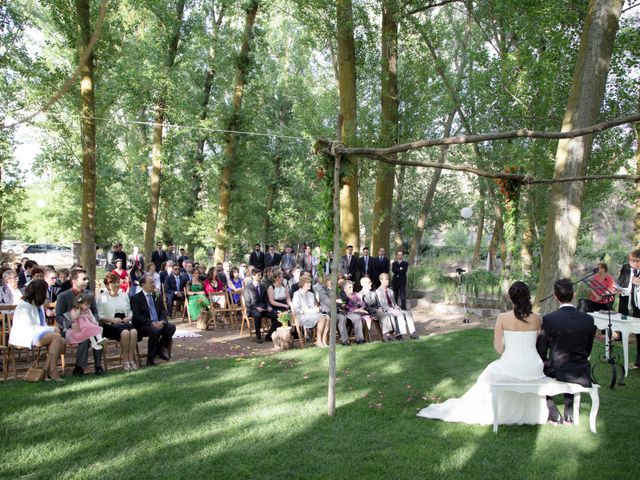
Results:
[636, 220]
[197, 179]
[272, 192]
[224, 188]
[349, 208]
[572, 156]
[389, 117]
[88, 137]
[397, 225]
[428, 199]
[476, 249]
[527, 237]
[158, 128]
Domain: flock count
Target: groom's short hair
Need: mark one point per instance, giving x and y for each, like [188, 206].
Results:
[563, 290]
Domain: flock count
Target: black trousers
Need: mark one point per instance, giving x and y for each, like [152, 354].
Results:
[554, 414]
[257, 320]
[629, 309]
[158, 338]
[400, 295]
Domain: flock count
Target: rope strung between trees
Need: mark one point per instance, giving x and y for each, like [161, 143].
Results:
[84, 58]
[385, 155]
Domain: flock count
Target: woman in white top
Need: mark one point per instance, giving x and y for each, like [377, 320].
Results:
[278, 294]
[114, 311]
[308, 313]
[29, 328]
[151, 270]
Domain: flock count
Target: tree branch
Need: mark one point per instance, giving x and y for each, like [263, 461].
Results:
[429, 6]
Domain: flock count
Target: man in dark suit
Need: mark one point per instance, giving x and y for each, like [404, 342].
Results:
[158, 256]
[399, 268]
[272, 258]
[365, 264]
[64, 303]
[381, 265]
[288, 262]
[25, 275]
[306, 260]
[630, 280]
[349, 264]
[256, 259]
[255, 298]
[564, 344]
[174, 287]
[150, 320]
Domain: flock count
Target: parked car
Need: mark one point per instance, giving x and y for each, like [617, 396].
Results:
[46, 248]
[13, 246]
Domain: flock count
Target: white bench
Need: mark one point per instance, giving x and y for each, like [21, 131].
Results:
[551, 387]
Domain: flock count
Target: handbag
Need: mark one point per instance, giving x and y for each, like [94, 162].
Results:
[34, 374]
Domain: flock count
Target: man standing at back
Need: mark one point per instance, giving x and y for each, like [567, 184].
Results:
[564, 344]
[349, 265]
[256, 259]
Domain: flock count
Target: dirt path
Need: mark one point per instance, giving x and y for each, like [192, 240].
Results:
[227, 342]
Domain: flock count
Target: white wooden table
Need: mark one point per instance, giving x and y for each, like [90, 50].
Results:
[551, 387]
[625, 326]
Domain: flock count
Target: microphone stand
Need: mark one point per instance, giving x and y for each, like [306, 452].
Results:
[593, 272]
[610, 357]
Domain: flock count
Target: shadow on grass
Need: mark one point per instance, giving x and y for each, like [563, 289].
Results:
[265, 417]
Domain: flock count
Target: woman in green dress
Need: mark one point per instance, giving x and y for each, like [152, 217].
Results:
[198, 300]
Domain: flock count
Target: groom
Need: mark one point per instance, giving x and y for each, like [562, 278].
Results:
[564, 345]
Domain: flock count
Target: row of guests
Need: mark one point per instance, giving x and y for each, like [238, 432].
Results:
[83, 322]
[11, 290]
[312, 306]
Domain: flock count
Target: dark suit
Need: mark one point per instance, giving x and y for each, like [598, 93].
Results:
[257, 260]
[365, 267]
[564, 344]
[158, 258]
[380, 265]
[287, 263]
[173, 288]
[399, 282]
[255, 299]
[23, 279]
[306, 262]
[52, 294]
[272, 260]
[64, 302]
[141, 319]
[349, 267]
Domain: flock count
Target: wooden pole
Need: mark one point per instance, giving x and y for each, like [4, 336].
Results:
[331, 396]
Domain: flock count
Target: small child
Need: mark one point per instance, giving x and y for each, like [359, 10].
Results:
[89, 329]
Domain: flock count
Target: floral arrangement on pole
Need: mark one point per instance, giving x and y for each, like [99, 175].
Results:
[284, 318]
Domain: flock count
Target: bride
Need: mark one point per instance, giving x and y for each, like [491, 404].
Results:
[515, 339]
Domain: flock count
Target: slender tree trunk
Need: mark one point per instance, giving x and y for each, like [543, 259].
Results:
[636, 220]
[389, 117]
[428, 199]
[224, 188]
[397, 227]
[88, 136]
[527, 238]
[349, 208]
[157, 136]
[476, 250]
[572, 156]
[272, 192]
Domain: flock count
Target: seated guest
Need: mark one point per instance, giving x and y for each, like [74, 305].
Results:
[376, 313]
[30, 328]
[402, 320]
[242, 270]
[602, 287]
[564, 344]
[188, 270]
[10, 294]
[2, 270]
[51, 277]
[151, 270]
[125, 282]
[267, 280]
[173, 287]
[197, 293]
[115, 314]
[221, 274]
[235, 283]
[255, 298]
[135, 274]
[308, 312]
[294, 283]
[213, 285]
[322, 291]
[37, 273]
[357, 313]
[150, 320]
[25, 276]
[165, 270]
[278, 294]
[64, 282]
[64, 304]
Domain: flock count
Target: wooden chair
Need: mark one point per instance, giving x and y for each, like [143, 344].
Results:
[185, 307]
[221, 312]
[301, 331]
[105, 356]
[235, 309]
[6, 312]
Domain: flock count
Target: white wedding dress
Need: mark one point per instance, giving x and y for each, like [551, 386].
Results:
[519, 361]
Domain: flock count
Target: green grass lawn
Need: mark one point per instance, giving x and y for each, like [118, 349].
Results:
[265, 417]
